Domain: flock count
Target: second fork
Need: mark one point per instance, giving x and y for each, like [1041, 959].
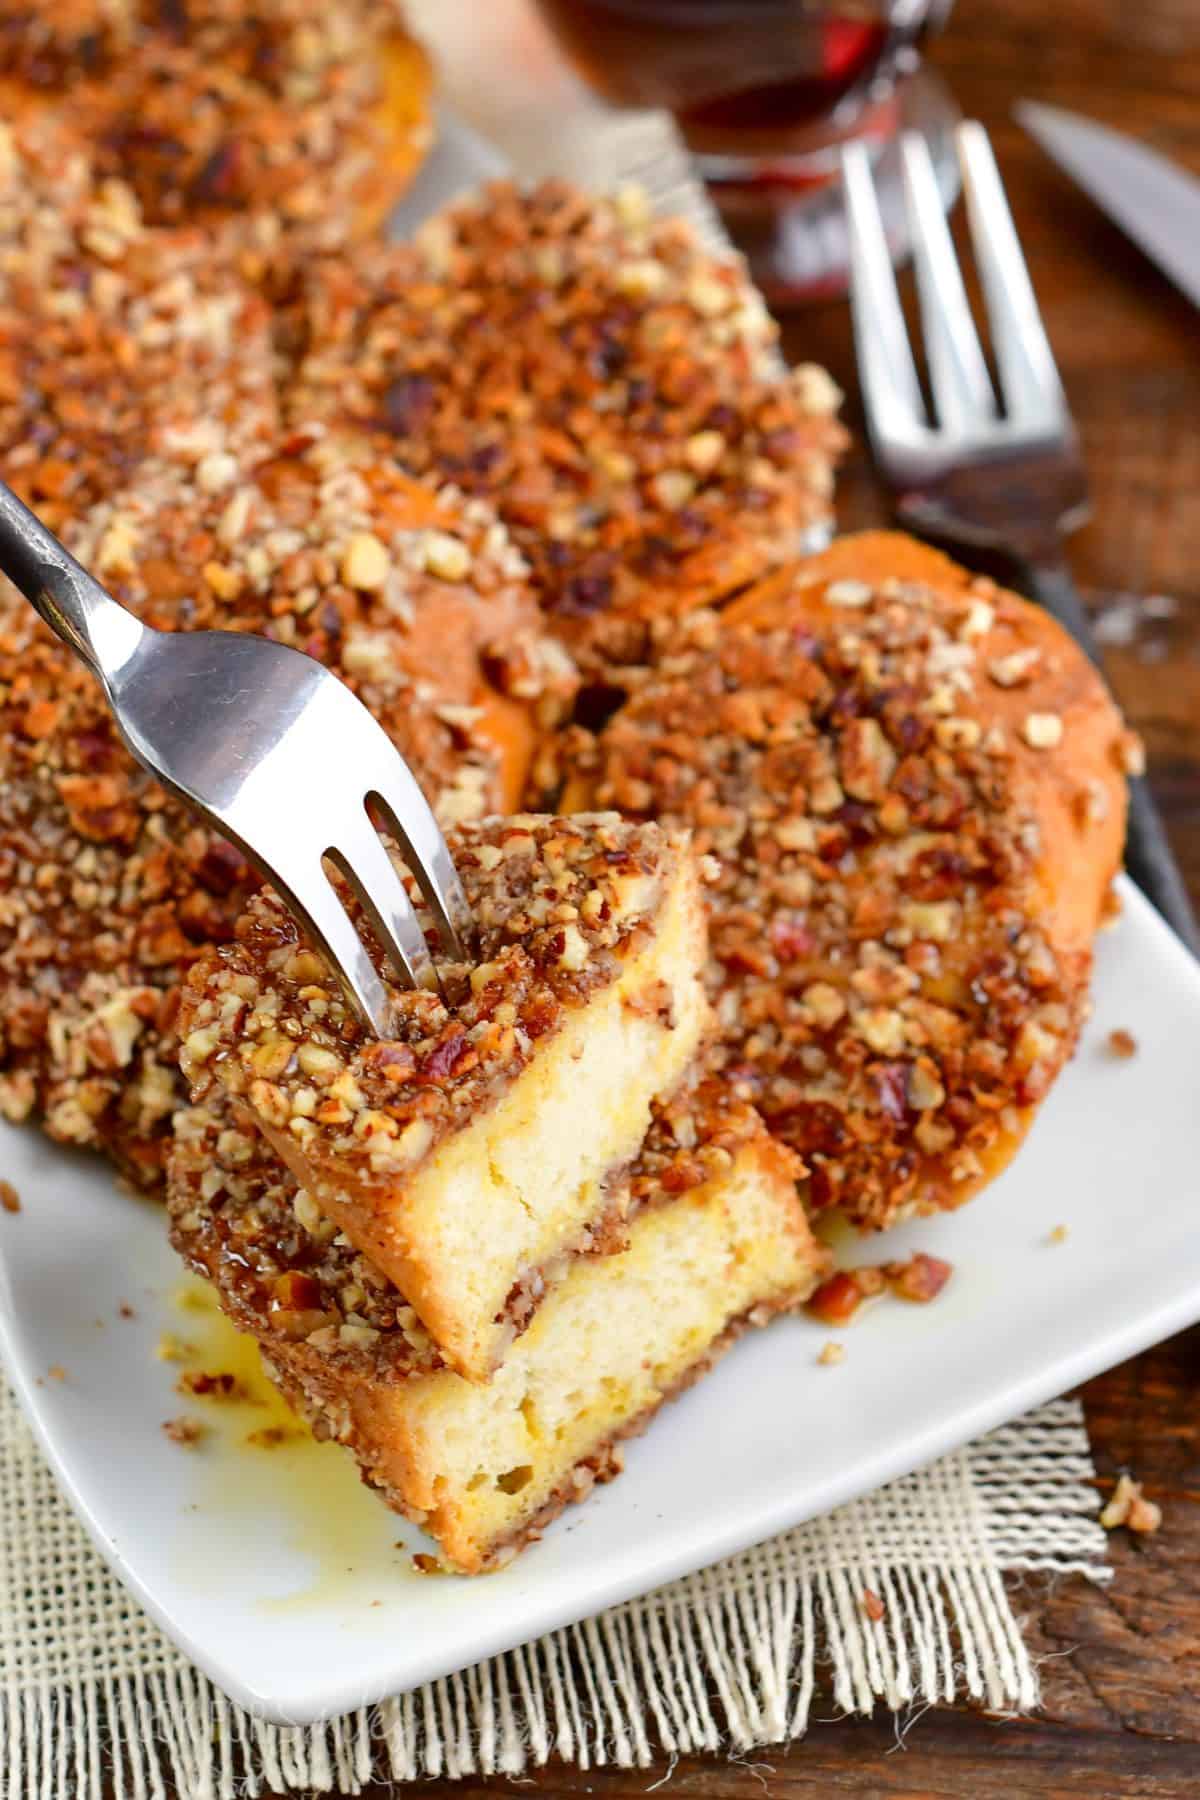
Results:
[993, 470]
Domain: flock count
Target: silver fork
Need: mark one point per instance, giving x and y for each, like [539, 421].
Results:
[274, 751]
[995, 472]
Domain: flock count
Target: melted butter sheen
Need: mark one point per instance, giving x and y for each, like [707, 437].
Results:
[261, 1475]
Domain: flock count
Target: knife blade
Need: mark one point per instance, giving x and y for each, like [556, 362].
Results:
[1154, 202]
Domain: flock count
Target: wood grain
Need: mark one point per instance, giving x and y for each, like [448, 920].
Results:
[1122, 1679]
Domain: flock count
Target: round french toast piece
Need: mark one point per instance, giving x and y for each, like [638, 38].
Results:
[117, 342]
[111, 887]
[913, 785]
[296, 119]
[600, 376]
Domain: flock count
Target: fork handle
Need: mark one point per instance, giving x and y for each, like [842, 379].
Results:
[102, 633]
[1148, 854]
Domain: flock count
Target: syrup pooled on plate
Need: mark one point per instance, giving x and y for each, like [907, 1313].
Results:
[259, 1460]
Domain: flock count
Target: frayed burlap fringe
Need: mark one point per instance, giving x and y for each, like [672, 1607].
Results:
[95, 1702]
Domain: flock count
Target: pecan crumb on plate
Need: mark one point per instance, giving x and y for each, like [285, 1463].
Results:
[837, 1300]
[210, 1386]
[920, 1278]
[184, 1430]
[1122, 1043]
[270, 1437]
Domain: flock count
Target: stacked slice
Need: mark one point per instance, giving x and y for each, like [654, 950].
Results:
[423, 1258]
[716, 1241]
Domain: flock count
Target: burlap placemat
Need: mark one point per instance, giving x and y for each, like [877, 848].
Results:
[95, 1702]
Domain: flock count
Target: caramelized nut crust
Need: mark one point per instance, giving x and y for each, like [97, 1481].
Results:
[285, 1273]
[117, 342]
[557, 904]
[282, 1269]
[598, 375]
[295, 120]
[900, 910]
[108, 887]
[417, 599]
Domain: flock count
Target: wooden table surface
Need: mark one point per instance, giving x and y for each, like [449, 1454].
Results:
[1122, 1683]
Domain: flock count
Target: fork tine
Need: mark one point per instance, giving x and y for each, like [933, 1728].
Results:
[891, 391]
[315, 903]
[409, 818]
[1029, 379]
[366, 865]
[962, 388]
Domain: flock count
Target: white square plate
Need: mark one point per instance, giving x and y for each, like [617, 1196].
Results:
[283, 1578]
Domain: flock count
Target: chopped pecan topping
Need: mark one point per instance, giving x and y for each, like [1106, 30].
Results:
[887, 995]
[920, 1279]
[207, 1384]
[120, 343]
[284, 129]
[838, 1299]
[1042, 731]
[266, 1019]
[599, 376]
[110, 887]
